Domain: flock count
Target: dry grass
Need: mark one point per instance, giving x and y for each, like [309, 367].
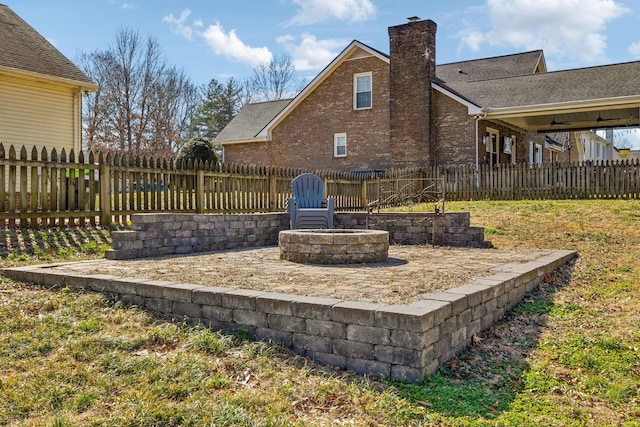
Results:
[567, 356]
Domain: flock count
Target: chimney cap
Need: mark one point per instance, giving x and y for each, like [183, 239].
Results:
[413, 18]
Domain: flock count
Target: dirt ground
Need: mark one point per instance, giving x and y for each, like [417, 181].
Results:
[408, 274]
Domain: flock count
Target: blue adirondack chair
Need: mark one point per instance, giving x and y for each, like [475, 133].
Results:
[308, 207]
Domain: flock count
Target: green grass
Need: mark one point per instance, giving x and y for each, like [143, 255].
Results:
[568, 355]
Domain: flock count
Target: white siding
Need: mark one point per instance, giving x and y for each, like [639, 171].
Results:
[36, 114]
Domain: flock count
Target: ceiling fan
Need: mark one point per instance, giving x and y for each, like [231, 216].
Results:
[555, 123]
[600, 119]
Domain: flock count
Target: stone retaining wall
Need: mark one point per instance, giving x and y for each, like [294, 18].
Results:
[399, 341]
[157, 234]
[417, 228]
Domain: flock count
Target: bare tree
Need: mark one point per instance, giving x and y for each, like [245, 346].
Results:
[97, 124]
[274, 80]
[143, 104]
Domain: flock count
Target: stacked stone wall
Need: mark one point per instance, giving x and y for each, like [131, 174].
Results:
[158, 234]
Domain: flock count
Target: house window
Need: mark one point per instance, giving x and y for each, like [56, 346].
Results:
[492, 145]
[535, 153]
[362, 91]
[340, 145]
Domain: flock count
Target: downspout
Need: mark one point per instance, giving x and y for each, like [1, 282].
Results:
[478, 117]
[77, 120]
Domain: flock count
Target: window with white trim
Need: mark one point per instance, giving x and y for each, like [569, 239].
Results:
[535, 153]
[340, 145]
[492, 145]
[362, 92]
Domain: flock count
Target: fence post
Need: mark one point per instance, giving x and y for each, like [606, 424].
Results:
[200, 191]
[364, 194]
[273, 180]
[105, 194]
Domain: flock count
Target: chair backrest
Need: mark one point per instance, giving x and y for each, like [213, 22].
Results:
[308, 190]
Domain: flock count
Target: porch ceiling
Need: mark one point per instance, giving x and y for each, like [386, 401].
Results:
[562, 119]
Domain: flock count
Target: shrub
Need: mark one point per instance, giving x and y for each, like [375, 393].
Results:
[197, 149]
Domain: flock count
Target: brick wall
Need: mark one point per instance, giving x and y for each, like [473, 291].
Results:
[304, 139]
[255, 153]
[412, 68]
[455, 132]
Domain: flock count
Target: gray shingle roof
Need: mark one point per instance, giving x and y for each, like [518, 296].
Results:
[251, 120]
[497, 67]
[23, 48]
[254, 117]
[516, 80]
[583, 84]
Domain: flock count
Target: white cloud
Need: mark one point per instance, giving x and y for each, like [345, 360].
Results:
[311, 53]
[573, 29]
[472, 39]
[230, 46]
[634, 49]
[122, 5]
[177, 25]
[313, 11]
[222, 43]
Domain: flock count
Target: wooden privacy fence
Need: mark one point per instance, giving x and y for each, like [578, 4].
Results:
[50, 188]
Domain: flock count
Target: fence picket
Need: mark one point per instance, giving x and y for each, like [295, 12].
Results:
[55, 189]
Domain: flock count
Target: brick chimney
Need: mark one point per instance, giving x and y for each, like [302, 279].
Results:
[412, 68]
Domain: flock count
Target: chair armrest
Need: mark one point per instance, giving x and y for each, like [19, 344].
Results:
[331, 203]
[291, 203]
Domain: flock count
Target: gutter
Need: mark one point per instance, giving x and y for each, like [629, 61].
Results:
[543, 109]
[47, 78]
[482, 115]
[240, 141]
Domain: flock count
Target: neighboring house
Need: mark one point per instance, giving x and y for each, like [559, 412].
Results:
[371, 111]
[40, 90]
[588, 146]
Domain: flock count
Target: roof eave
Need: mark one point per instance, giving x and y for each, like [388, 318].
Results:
[88, 86]
[472, 109]
[542, 109]
[241, 141]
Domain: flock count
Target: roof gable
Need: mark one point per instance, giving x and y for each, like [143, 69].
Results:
[23, 49]
[355, 50]
[496, 67]
[248, 123]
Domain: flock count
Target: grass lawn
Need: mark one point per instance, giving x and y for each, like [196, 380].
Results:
[568, 355]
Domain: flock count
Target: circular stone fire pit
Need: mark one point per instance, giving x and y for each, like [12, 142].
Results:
[334, 246]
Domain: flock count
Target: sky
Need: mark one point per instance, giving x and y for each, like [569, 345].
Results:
[228, 38]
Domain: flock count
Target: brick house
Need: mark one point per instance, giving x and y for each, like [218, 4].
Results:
[371, 111]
